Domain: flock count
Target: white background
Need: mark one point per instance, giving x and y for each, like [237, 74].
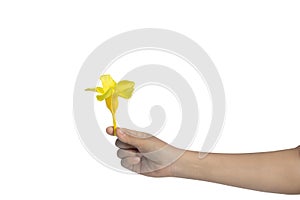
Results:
[255, 46]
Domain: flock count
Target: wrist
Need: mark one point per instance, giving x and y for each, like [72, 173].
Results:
[189, 165]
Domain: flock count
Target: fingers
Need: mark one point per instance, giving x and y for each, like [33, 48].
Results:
[128, 143]
[123, 145]
[136, 134]
[133, 138]
[118, 142]
[125, 137]
[130, 139]
[131, 163]
[121, 153]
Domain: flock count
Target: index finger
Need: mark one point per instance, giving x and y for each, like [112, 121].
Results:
[110, 130]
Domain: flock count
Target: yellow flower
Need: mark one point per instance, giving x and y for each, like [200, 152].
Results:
[110, 91]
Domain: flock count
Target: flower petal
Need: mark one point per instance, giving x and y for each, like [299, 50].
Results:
[105, 95]
[107, 82]
[97, 89]
[125, 89]
[112, 103]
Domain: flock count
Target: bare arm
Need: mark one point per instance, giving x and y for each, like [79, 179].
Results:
[277, 171]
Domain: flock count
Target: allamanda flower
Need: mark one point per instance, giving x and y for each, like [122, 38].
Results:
[110, 92]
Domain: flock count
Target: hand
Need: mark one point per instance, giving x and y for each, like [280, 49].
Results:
[145, 154]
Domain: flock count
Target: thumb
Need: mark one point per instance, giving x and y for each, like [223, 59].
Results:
[131, 137]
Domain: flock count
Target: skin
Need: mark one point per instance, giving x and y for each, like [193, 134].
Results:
[277, 171]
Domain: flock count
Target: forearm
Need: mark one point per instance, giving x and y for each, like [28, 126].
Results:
[277, 171]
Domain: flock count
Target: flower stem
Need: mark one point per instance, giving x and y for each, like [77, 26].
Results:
[115, 124]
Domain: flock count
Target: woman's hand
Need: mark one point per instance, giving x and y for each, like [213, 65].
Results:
[145, 154]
